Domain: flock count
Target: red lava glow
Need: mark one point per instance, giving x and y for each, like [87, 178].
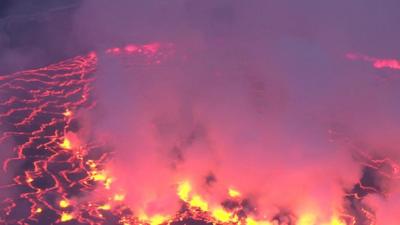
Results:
[148, 49]
[52, 170]
[377, 63]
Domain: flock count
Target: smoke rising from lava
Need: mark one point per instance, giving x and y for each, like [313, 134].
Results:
[256, 96]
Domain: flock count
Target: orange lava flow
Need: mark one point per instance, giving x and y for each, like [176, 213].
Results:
[51, 171]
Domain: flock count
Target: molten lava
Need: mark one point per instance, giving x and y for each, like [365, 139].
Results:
[52, 171]
[376, 62]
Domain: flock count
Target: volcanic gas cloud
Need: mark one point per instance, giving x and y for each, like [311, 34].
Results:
[232, 115]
